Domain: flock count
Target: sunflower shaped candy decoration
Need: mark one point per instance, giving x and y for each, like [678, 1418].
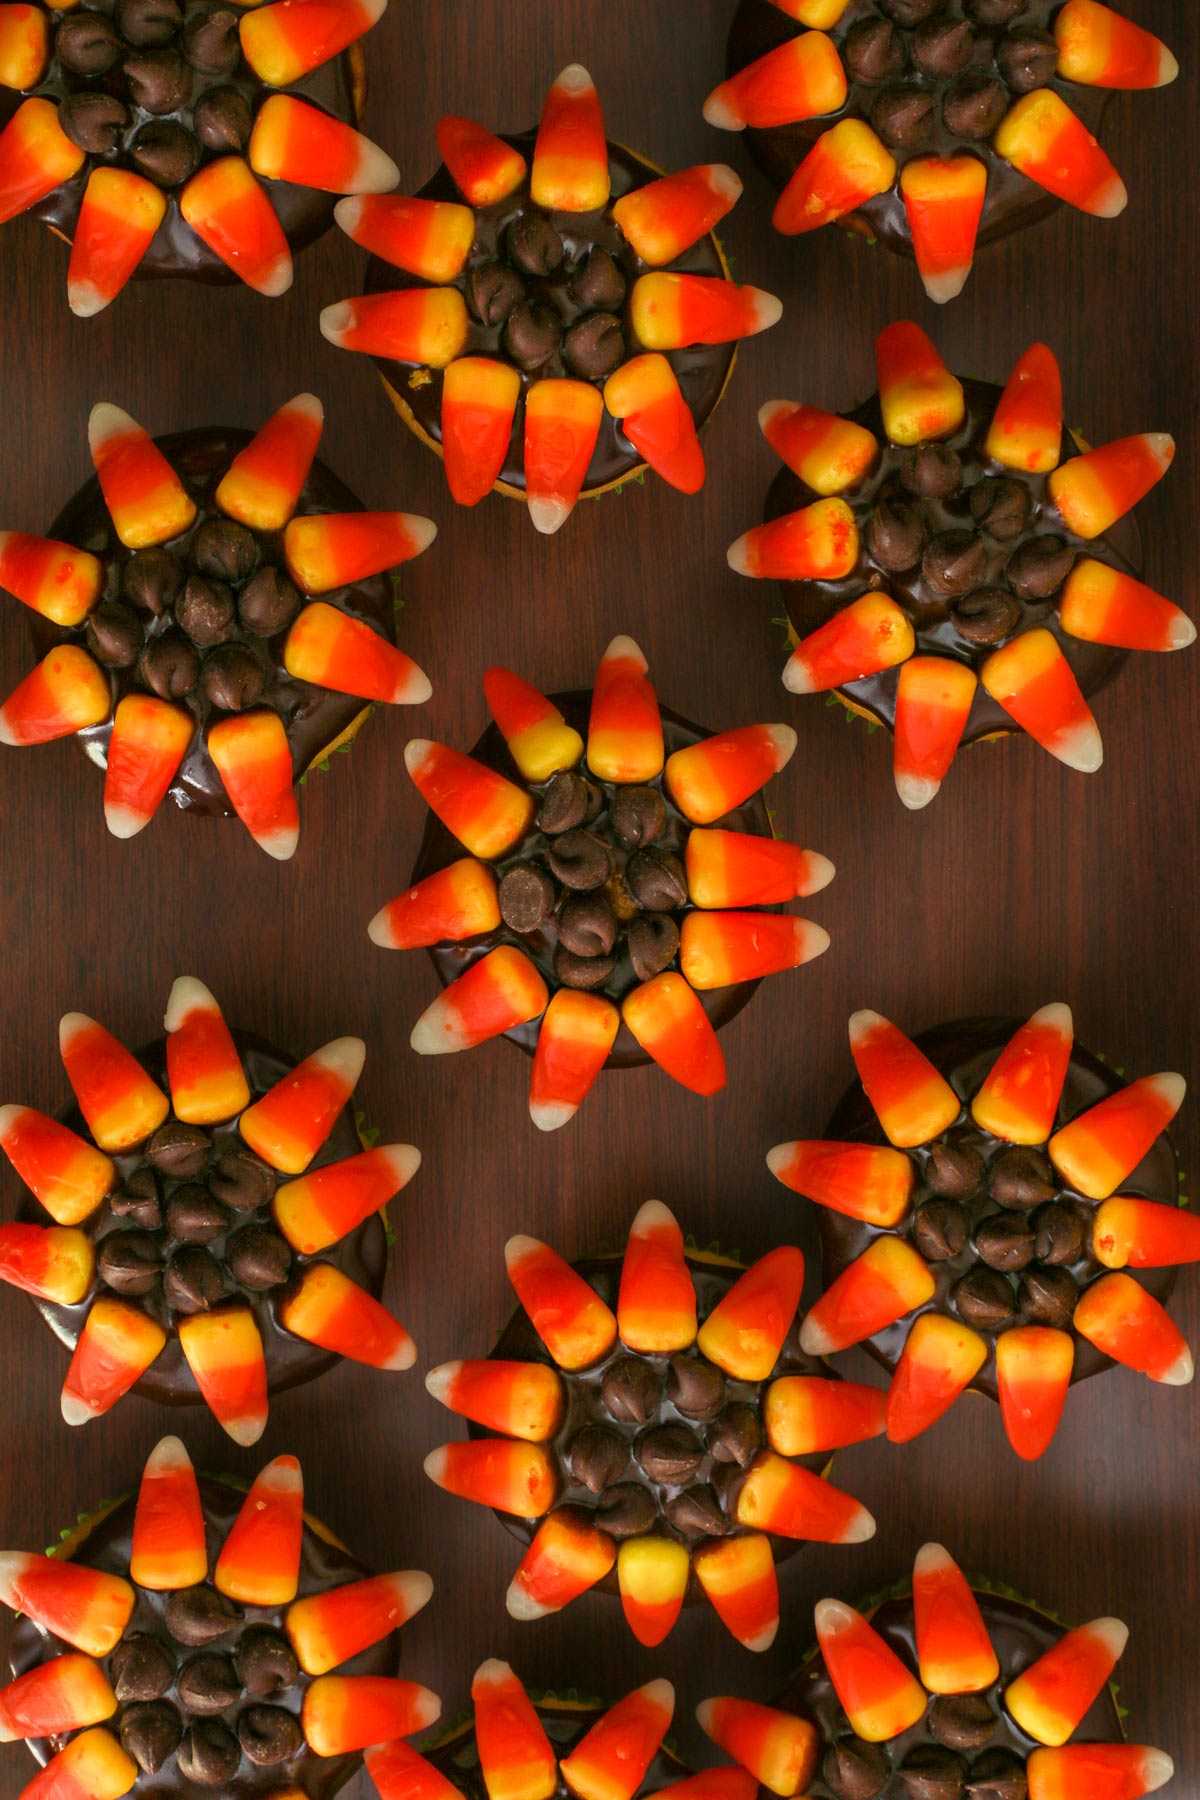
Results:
[179, 1262]
[955, 565]
[202, 1637]
[573, 322]
[669, 1448]
[932, 124]
[971, 1225]
[945, 1690]
[215, 610]
[598, 891]
[170, 137]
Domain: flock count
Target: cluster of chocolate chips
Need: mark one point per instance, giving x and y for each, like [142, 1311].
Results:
[153, 78]
[960, 1764]
[182, 1696]
[932, 68]
[183, 1225]
[548, 306]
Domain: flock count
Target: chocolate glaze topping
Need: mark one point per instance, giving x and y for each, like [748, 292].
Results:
[202, 620]
[566, 1723]
[189, 1226]
[576, 311]
[212, 1694]
[1015, 1233]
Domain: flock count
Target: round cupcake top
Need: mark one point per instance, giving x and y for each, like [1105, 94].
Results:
[948, 558]
[955, 119]
[178, 1261]
[575, 321]
[667, 1444]
[215, 610]
[587, 896]
[945, 1691]
[186, 1642]
[175, 137]
[972, 1230]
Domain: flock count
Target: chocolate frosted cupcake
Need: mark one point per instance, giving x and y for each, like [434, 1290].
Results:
[596, 893]
[972, 1231]
[664, 1432]
[174, 137]
[955, 564]
[945, 1690]
[573, 322]
[214, 610]
[179, 1263]
[185, 1641]
[957, 121]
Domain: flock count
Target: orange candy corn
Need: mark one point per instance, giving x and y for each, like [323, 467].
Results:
[292, 1120]
[1033, 1373]
[331, 550]
[1044, 140]
[1097, 1772]
[145, 498]
[805, 1414]
[1032, 680]
[454, 903]
[429, 238]
[328, 1629]
[479, 403]
[1019, 1098]
[789, 1501]
[817, 543]
[538, 739]
[1099, 48]
[284, 42]
[800, 80]
[254, 760]
[652, 1573]
[498, 1472]
[881, 1698]
[828, 453]
[427, 326]
[402, 1773]
[954, 1650]
[321, 1208]
[118, 218]
[85, 1607]
[264, 482]
[919, 397]
[116, 1347]
[567, 1314]
[1141, 1234]
[259, 1562]
[503, 989]
[204, 1069]
[625, 738]
[514, 1751]
[644, 394]
[666, 217]
[943, 200]
[24, 44]
[718, 949]
[729, 1783]
[116, 1096]
[36, 156]
[845, 167]
[521, 1400]
[168, 1549]
[325, 1307]
[670, 312]
[1026, 428]
[568, 1555]
[610, 1760]
[562, 423]
[779, 1749]
[1103, 605]
[708, 779]
[934, 696]
[870, 634]
[292, 141]
[486, 812]
[54, 1262]
[1096, 489]
[738, 1576]
[228, 210]
[911, 1100]
[744, 1332]
[333, 650]
[343, 1713]
[92, 1766]
[941, 1358]
[148, 743]
[66, 693]
[67, 1175]
[56, 580]
[573, 1044]
[888, 1280]
[570, 156]
[484, 167]
[656, 1303]
[863, 1181]
[1123, 1321]
[1050, 1698]
[225, 1354]
[54, 1698]
[738, 868]
[673, 1028]
[1097, 1150]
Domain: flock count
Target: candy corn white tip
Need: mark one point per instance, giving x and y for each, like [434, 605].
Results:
[861, 1527]
[9, 1115]
[107, 421]
[705, 1713]
[623, 647]
[403, 1357]
[720, 114]
[491, 1673]
[336, 320]
[245, 1431]
[1111, 200]
[797, 678]
[551, 1115]
[832, 1617]
[812, 940]
[765, 310]
[780, 1158]
[429, 1036]
[188, 995]
[435, 1464]
[416, 754]
[863, 1022]
[726, 182]
[738, 558]
[916, 791]
[85, 299]
[574, 79]
[660, 1693]
[8, 737]
[820, 872]
[548, 513]
[422, 532]
[309, 405]
[1081, 749]
[946, 286]
[167, 1456]
[1180, 633]
[762, 1640]
[277, 280]
[343, 1058]
[280, 844]
[1161, 446]
[521, 1605]
[1112, 1633]
[426, 1709]
[783, 742]
[1057, 1016]
[439, 1381]
[70, 1026]
[770, 410]
[931, 1559]
[651, 1215]
[122, 821]
[76, 1411]
[414, 690]
[413, 1589]
[348, 214]
[380, 930]
[1157, 1767]
[1168, 67]
[377, 173]
[283, 1476]
[403, 1160]
[1170, 1089]
[518, 1248]
[1181, 1372]
[815, 1341]
[372, 11]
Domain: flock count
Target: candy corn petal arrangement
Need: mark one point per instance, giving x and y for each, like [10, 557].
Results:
[550, 314]
[216, 1225]
[983, 1197]
[907, 123]
[595, 880]
[235, 627]
[703, 1453]
[954, 564]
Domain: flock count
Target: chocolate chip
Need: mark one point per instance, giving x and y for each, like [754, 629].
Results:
[669, 1454]
[138, 1201]
[998, 1775]
[587, 925]
[975, 105]
[904, 117]
[86, 43]
[1021, 1178]
[526, 896]
[931, 1773]
[597, 1456]
[193, 1281]
[586, 973]
[961, 1721]
[939, 1230]
[233, 678]
[1038, 569]
[193, 1216]
[268, 603]
[942, 47]
[873, 52]
[165, 153]
[909, 12]
[580, 860]
[697, 1513]
[152, 579]
[224, 550]
[198, 1615]
[532, 334]
[114, 635]
[150, 1733]
[630, 1390]
[534, 245]
[735, 1435]
[694, 1387]
[141, 1668]
[933, 471]
[128, 1262]
[595, 346]
[492, 292]
[895, 534]
[1001, 506]
[205, 611]
[147, 23]
[241, 1181]
[169, 666]
[1027, 57]
[1004, 1240]
[221, 120]
[954, 1171]
[652, 942]
[265, 1662]
[269, 1734]
[1059, 1234]
[159, 81]
[211, 43]
[626, 1511]
[656, 880]
[1048, 1296]
[258, 1259]
[954, 562]
[179, 1151]
[598, 284]
[855, 1770]
[564, 803]
[94, 122]
[983, 1299]
[209, 1754]
[987, 615]
[208, 1684]
[993, 12]
[638, 815]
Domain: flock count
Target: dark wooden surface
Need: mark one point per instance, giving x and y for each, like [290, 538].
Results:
[1022, 883]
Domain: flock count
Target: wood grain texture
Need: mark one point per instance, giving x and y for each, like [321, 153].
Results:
[1022, 883]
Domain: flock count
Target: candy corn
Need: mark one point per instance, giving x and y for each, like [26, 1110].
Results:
[259, 1563]
[919, 397]
[332, 550]
[644, 394]
[290, 1123]
[789, 1501]
[729, 1783]
[24, 44]
[1103, 605]
[53, 1262]
[168, 1549]
[429, 238]
[225, 1354]
[204, 1069]
[292, 141]
[1096, 489]
[427, 326]
[881, 1698]
[328, 1629]
[457, 902]
[330, 649]
[1032, 680]
[325, 1307]
[711, 778]
[1044, 140]
[118, 217]
[228, 210]
[738, 868]
[116, 1096]
[539, 740]
[828, 453]
[1099, 48]
[817, 543]
[888, 1280]
[610, 1760]
[666, 217]
[498, 1472]
[934, 696]
[673, 1028]
[1020, 1095]
[562, 423]
[520, 1400]
[670, 312]
[149, 740]
[1033, 1373]
[845, 167]
[254, 760]
[780, 1749]
[652, 1573]
[805, 1414]
[954, 1651]
[568, 1555]
[92, 1766]
[943, 201]
[56, 580]
[870, 634]
[1026, 428]
[116, 1347]
[1123, 1321]
[146, 500]
[744, 1332]
[284, 42]
[656, 1304]
[625, 738]
[577, 1033]
[1141, 1234]
[343, 1713]
[486, 812]
[738, 1576]
[570, 157]
[479, 403]
[66, 693]
[36, 156]
[1101, 1147]
[1097, 1772]
[264, 482]
[514, 1751]
[911, 1100]
[67, 1175]
[85, 1607]
[489, 998]
[720, 948]
[1050, 1698]
[485, 169]
[800, 80]
[56, 1697]
[941, 1357]
[323, 1207]
[402, 1773]
[568, 1315]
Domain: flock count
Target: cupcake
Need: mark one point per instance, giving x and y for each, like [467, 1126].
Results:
[956, 122]
[218, 1226]
[945, 1690]
[569, 324]
[171, 138]
[216, 613]
[662, 1431]
[956, 565]
[971, 1226]
[187, 1640]
[591, 920]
